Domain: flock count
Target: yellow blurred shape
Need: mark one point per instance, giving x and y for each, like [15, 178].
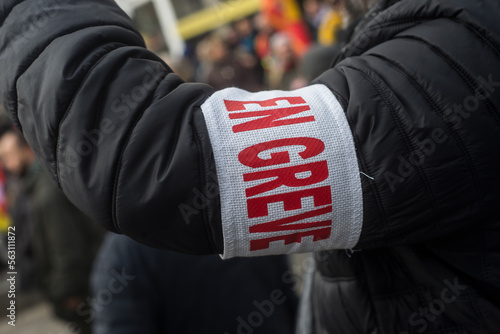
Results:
[4, 223]
[216, 16]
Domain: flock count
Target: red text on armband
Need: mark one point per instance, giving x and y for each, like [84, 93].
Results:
[282, 172]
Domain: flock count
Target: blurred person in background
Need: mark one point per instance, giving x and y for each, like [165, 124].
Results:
[230, 67]
[331, 23]
[315, 12]
[20, 218]
[224, 70]
[356, 14]
[246, 35]
[281, 67]
[162, 292]
[264, 32]
[246, 51]
[5, 219]
[202, 64]
[64, 241]
[316, 60]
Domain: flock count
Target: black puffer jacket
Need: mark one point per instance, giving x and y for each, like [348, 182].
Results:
[393, 153]
[425, 68]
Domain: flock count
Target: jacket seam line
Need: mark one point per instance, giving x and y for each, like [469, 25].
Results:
[476, 30]
[201, 159]
[427, 97]
[410, 146]
[460, 70]
[118, 168]
[455, 133]
[390, 107]
[438, 110]
[402, 21]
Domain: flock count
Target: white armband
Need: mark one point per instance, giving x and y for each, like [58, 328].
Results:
[288, 175]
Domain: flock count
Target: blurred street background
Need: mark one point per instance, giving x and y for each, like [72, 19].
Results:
[34, 314]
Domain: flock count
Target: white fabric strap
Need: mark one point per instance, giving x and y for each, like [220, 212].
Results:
[288, 174]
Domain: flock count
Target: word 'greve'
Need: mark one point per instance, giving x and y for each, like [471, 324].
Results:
[286, 176]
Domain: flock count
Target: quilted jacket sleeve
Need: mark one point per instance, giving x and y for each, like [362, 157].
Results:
[110, 122]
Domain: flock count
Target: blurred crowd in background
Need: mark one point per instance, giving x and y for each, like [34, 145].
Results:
[56, 245]
[276, 48]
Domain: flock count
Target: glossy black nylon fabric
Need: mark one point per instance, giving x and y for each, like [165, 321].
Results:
[91, 101]
[126, 141]
[421, 88]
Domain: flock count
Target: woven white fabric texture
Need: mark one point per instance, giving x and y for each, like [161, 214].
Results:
[288, 175]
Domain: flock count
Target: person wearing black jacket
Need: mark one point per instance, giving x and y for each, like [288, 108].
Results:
[386, 165]
[158, 291]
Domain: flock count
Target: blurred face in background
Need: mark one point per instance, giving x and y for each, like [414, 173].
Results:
[15, 156]
[282, 50]
[244, 27]
[311, 8]
[218, 50]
